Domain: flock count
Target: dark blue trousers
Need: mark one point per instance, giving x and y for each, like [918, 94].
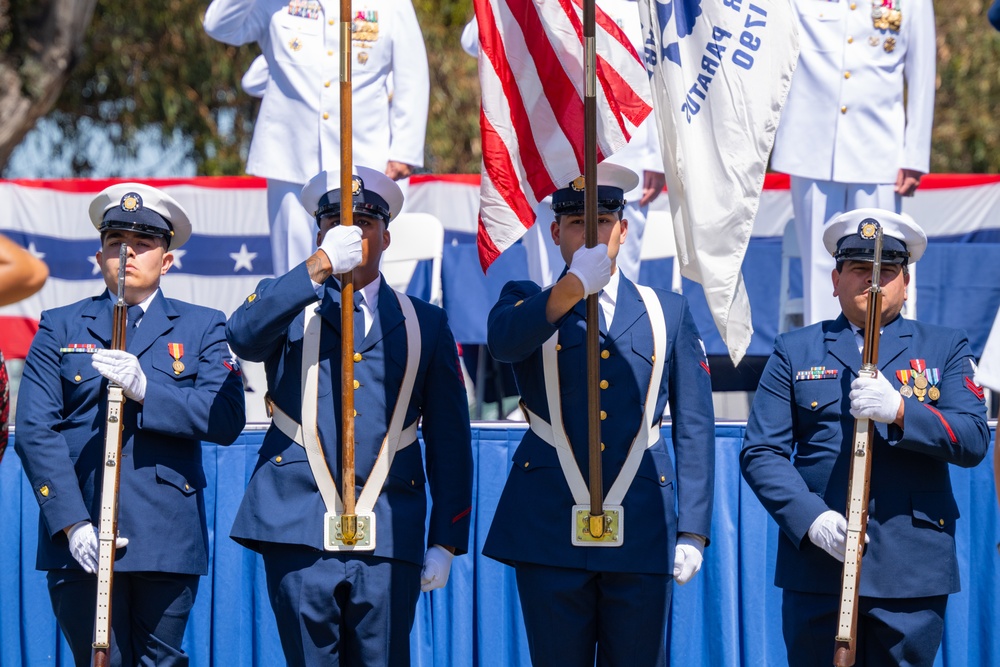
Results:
[341, 609]
[904, 632]
[572, 615]
[149, 612]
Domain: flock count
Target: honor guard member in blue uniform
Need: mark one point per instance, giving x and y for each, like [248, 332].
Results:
[929, 413]
[610, 596]
[336, 603]
[181, 387]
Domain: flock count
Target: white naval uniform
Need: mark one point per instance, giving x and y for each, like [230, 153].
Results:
[844, 133]
[641, 154]
[297, 132]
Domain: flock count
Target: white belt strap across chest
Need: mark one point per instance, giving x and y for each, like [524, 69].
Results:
[554, 433]
[307, 434]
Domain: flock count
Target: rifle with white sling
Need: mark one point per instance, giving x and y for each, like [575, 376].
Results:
[860, 468]
[108, 523]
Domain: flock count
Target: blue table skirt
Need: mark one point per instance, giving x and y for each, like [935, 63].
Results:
[728, 615]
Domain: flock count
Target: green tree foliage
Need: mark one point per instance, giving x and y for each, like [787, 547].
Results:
[966, 123]
[152, 65]
[453, 121]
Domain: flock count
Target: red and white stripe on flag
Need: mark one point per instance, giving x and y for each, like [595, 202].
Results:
[531, 72]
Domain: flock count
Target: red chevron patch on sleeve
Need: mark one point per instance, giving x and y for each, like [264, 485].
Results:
[976, 389]
[461, 515]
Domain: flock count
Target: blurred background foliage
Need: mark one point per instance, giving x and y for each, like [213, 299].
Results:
[151, 65]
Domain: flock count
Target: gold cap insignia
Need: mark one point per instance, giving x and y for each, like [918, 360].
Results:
[868, 228]
[578, 183]
[131, 202]
[356, 185]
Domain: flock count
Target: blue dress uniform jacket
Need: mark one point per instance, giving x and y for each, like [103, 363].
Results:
[62, 406]
[797, 447]
[282, 503]
[534, 517]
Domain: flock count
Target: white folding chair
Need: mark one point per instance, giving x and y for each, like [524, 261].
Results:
[790, 311]
[415, 237]
[658, 243]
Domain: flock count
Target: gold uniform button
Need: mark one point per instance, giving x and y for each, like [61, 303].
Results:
[843, 109]
[940, 522]
[329, 53]
[814, 403]
[78, 378]
[663, 478]
[653, 358]
[604, 415]
[526, 463]
[355, 413]
[44, 490]
[605, 354]
[326, 116]
[187, 487]
[559, 347]
[330, 22]
[522, 301]
[358, 384]
[854, 6]
[357, 357]
[847, 75]
[413, 482]
[326, 84]
[850, 40]
[277, 459]
[604, 383]
[602, 444]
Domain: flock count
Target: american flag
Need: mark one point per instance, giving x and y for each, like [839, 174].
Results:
[532, 76]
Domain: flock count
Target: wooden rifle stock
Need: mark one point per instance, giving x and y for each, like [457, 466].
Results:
[845, 646]
[108, 523]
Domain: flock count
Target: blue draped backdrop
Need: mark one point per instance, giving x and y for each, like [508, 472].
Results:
[728, 615]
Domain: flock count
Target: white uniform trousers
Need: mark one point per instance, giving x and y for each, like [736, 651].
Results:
[293, 230]
[814, 204]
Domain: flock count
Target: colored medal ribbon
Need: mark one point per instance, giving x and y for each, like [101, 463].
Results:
[904, 377]
[934, 377]
[919, 379]
[176, 351]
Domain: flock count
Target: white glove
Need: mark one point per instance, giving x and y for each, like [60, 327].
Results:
[343, 246]
[687, 557]
[437, 567]
[121, 367]
[874, 398]
[593, 267]
[829, 533]
[83, 545]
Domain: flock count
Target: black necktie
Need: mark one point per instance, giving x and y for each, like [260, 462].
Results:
[359, 319]
[133, 317]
